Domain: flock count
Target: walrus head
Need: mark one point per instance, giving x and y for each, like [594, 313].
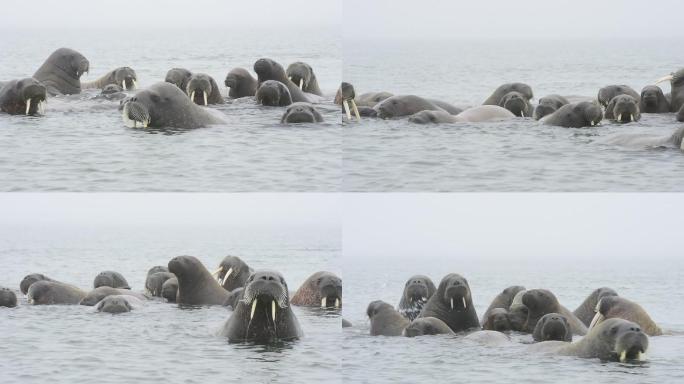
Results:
[126, 78]
[199, 87]
[421, 326]
[455, 292]
[71, 62]
[625, 108]
[619, 340]
[146, 107]
[187, 268]
[497, 320]
[110, 279]
[114, 304]
[111, 89]
[517, 103]
[418, 289]
[28, 97]
[232, 272]
[301, 74]
[546, 106]
[301, 112]
[267, 69]
[329, 290]
[606, 94]
[265, 293]
[552, 326]
[28, 280]
[376, 307]
[7, 298]
[539, 302]
[40, 292]
[273, 93]
[651, 95]
[589, 112]
[178, 77]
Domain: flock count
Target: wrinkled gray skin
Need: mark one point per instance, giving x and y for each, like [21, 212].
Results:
[165, 105]
[267, 69]
[241, 83]
[118, 76]
[196, 286]
[575, 115]
[427, 326]
[548, 105]
[497, 319]
[303, 71]
[155, 282]
[30, 279]
[385, 320]
[199, 83]
[623, 109]
[320, 285]
[447, 304]
[117, 304]
[169, 290]
[15, 94]
[618, 307]
[535, 303]
[110, 279]
[653, 100]
[239, 273]
[111, 92]
[371, 99]
[301, 113]
[273, 93]
[404, 105]
[552, 326]
[234, 297]
[449, 108]
[432, 117]
[61, 72]
[513, 96]
[53, 292]
[157, 268]
[606, 342]
[7, 298]
[99, 293]
[606, 94]
[265, 292]
[586, 311]
[178, 77]
[417, 291]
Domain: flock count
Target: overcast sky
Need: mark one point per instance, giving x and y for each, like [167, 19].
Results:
[199, 14]
[512, 19]
[518, 226]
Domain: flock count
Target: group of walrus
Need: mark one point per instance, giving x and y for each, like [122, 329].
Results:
[613, 328]
[260, 300]
[619, 103]
[174, 103]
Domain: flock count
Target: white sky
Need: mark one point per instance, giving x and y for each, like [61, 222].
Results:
[513, 226]
[297, 14]
[513, 18]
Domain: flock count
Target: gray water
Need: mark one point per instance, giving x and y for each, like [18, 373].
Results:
[656, 285]
[159, 342]
[522, 155]
[81, 144]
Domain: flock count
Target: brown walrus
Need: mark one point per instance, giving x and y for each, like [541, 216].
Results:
[322, 288]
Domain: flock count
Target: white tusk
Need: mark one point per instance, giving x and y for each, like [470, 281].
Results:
[124, 84]
[28, 106]
[225, 277]
[464, 303]
[216, 272]
[273, 310]
[620, 117]
[522, 114]
[324, 301]
[345, 103]
[355, 109]
[290, 78]
[135, 84]
[205, 97]
[254, 303]
[623, 356]
[598, 318]
[135, 123]
[337, 303]
[192, 96]
[592, 123]
[631, 117]
[666, 78]
[301, 84]
[452, 303]
[640, 356]
[424, 298]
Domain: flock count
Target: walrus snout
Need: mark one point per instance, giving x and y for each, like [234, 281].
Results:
[631, 344]
[82, 67]
[263, 66]
[135, 114]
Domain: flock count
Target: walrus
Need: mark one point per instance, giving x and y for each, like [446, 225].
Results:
[607, 93]
[417, 290]
[653, 100]
[477, 114]
[267, 69]
[612, 340]
[99, 293]
[648, 140]
[453, 304]
[618, 307]
[61, 72]
[234, 297]
[371, 99]
[513, 96]
[169, 290]
[178, 77]
[157, 268]
[232, 273]
[124, 77]
[322, 289]
[548, 105]
[155, 282]
[53, 292]
[504, 299]
[427, 326]
[575, 115]
[345, 97]
[586, 311]
[241, 83]
[301, 113]
[110, 279]
[196, 286]
[203, 90]
[28, 280]
[111, 92]
[118, 304]
[23, 97]
[404, 105]
[488, 338]
[264, 314]
[623, 109]
[497, 319]
[385, 320]
[303, 75]
[7, 298]
[676, 80]
[552, 326]
[538, 302]
[273, 93]
[164, 105]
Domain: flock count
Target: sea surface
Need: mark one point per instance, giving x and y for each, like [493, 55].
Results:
[82, 144]
[159, 342]
[656, 285]
[519, 155]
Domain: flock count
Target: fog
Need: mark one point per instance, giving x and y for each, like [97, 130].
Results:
[442, 19]
[589, 227]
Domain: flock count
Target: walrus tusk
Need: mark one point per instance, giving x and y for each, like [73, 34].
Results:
[135, 84]
[619, 117]
[522, 114]
[640, 356]
[337, 303]
[225, 277]
[623, 356]
[324, 302]
[424, 298]
[631, 117]
[592, 123]
[301, 84]
[355, 109]
[452, 303]
[204, 93]
[464, 303]
[345, 103]
[254, 303]
[666, 78]
[290, 78]
[192, 96]
[273, 310]
[216, 272]
[28, 106]
[598, 318]
[124, 84]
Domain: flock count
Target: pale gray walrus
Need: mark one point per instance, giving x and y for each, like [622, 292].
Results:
[513, 96]
[7, 298]
[406, 105]
[196, 286]
[124, 77]
[623, 109]
[61, 72]
[203, 90]
[99, 293]
[28, 280]
[575, 115]
[273, 93]
[618, 307]
[417, 291]
[110, 279]
[303, 75]
[165, 105]
[241, 83]
[232, 273]
[46, 292]
[481, 113]
[385, 320]
[453, 304]
[154, 282]
[118, 304]
[586, 311]
[427, 326]
[648, 140]
[169, 289]
[23, 97]
[606, 94]
[301, 113]
[322, 289]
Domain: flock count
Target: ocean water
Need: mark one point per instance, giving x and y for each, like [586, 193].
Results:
[521, 155]
[656, 285]
[82, 144]
[159, 342]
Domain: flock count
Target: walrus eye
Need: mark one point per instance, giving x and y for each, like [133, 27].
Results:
[155, 98]
[613, 330]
